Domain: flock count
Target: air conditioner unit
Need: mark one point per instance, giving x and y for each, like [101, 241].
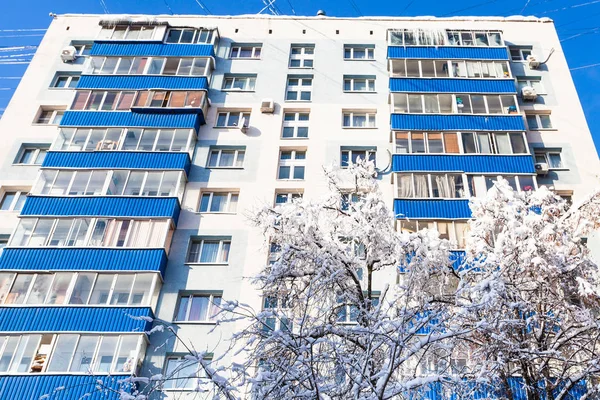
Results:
[533, 62]
[267, 106]
[244, 125]
[68, 54]
[528, 93]
[541, 168]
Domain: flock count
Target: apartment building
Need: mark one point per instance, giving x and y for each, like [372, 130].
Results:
[135, 146]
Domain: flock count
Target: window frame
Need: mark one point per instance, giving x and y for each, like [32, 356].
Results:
[293, 163]
[547, 153]
[370, 118]
[529, 81]
[18, 193]
[69, 81]
[303, 56]
[255, 50]
[295, 123]
[369, 82]
[290, 195]
[209, 319]
[522, 56]
[430, 186]
[172, 381]
[202, 239]
[368, 49]
[37, 150]
[249, 83]
[370, 155]
[140, 65]
[228, 204]
[538, 120]
[453, 235]
[198, 32]
[55, 113]
[242, 115]
[128, 29]
[219, 150]
[455, 101]
[298, 88]
[281, 307]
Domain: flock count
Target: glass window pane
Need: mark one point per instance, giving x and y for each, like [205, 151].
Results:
[40, 288]
[58, 291]
[82, 288]
[126, 358]
[503, 143]
[532, 122]
[227, 157]
[61, 232]
[140, 294]
[101, 289]
[545, 120]
[518, 143]
[120, 295]
[9, 350]
[168, 187]
[82, 358]
[24, 353]
[210, 250]
[132, 137]
[19, 289]
[80, 182]
[152, 184]
[198, 308]
[555, 160]
[134, 184]
[41, 232]
[62, 354]
[106, 354]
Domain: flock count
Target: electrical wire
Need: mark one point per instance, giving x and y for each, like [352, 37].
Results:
[593, 30]
[203, 7]
[292, 7]
[585, 66]
[168, 6]
[525, 6]
[407, 6]
[355, 6]
[103, 4]
[573, 6]
[24, 30]
[471, 7]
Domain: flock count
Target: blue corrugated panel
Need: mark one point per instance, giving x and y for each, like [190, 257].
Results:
[102, 206]
[444, 209]
[484, 163]
[448, 52]
[62, 387]
[117, 160]
[75, 319]
[142, 82]
[435, 122]
[133, 49]
[82, 259]
[451, 85]
[133, 120]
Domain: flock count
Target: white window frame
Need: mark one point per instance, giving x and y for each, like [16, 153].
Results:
[117, 100]
[299, 89]
[209, 320]
[236, 51]
[204, 239]
[522, 56]
[369, 52]
[538, 120]
[92, 69]
[426, 142]
[524, 81]
[279, 310]
[429, 177]
[198, 32]
[82, 48]
[369, 85]
[452, 232]
[370, 118]
[295, 124]
[303, 56]
[348, 310]
[293, 163]
[454, 101]
[237, 153]
[472, 177]
[139, 28]
[36, 154]
[196, 380]
[249, 83]
[15, 201]
[473, 40]
[228, 204]
[55, 113]
[242, 115]
[68, 83]
[369, 152]
[290, 196]
[546, 153]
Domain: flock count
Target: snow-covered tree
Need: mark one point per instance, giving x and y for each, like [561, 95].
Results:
[530, 282]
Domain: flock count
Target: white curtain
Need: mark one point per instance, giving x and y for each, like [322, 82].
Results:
[405, 186]
[421, 186]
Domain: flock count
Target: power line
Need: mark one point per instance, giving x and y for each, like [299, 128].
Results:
[355, 6]
[292, 7]
[407, 6]
[471, 7]
[203, 7]
[573, 6]
[593, 30]
[585, 66]
[103, 4]
[23, 30]
[14, 36]
[525, 6]
[168, 7]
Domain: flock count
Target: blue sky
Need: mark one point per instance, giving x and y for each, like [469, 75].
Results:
[576, 22]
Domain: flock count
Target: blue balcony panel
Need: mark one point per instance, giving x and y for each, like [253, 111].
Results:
[61, 387]
[164, 119]
[432, 209]
[138, 82]
[118, 160]
[436, 122]
[448, 52]
[102, 206]
[150, 49]
[452, 85]
[479, 163]
[83, 259]
[75, 319]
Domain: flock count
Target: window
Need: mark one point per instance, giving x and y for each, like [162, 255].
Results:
[110, 183]
[49, 116]
[189, 35]
[198, 308]
[426, 142]
[348, 313]
[454, 104]
[299, 88]
[104, 100]
[219, 202]
[444, 68]
[65, 81]
[130, 139]
[519, 54]
[358, 119]
[30, 155]
[82, 49]
[226, 158]
[288, 197]
[126, 32]
[537, 122]
[232, 119]
[292, 164]
[552, 157]
[180, 66]
[92, 232]
[415, 37]
[3, 244]
[161, 98]
[359, 83]
[250, 51]
[278, 309]
[449, 186]
[454, 231]
[295, 125]
[351, 156]
[242, 83]
[77, 288]
[209, 251]
[480, 184]
[182, 373]
[13, 200]
[474, 38]
[302, 56]
[535, 83]
[359, 52]
[494, 143]
[350, 200]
